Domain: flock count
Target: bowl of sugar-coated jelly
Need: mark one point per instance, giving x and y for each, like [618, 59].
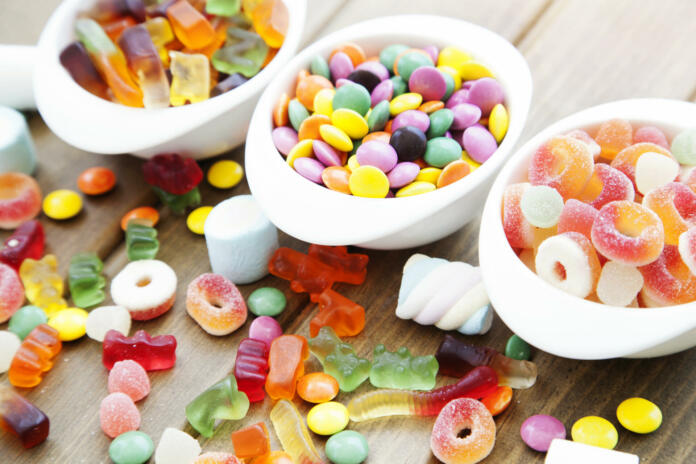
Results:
[418, 49]
[202, 120]
[587, 237]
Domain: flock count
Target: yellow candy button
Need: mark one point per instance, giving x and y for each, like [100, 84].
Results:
[350, 122]
[62, 204]
[415, 188]
[352, 163]
[225, 174]
[473, 70]
[498, 122]
[453, 57]
[639, 415]
[303, 149]
[429, 175]
[70, 323]
[595, 431]
[405, 101]
[474, 164]
[327, 418]
[196, 219]
[323, 102]
[368, 181]
[335, 137]
[454, 74]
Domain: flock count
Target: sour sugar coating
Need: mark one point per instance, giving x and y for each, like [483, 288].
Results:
[144, 214]
[619, 284]
[654, 170]
[215, 304]
[176, 447]
[627, 159]
[141, 240]
[477, 383]
[339, 359]
[251, 368]
[461, 414]
[101, 320]
[9, 344]
[541, 206]
[216, 458]
[11, 292]
[675, 205]
[20, 199]
[220, 402]
[687, 249]
[628, 233]
[286, 365]
[583, 136]
[42, 283]
[569, 262]
[346, 317]
[577, 217]
[251, 441]
[146, 288]
[22, 419]
[118, 414]
[85, 280]
[265, 329]
[292, 432]
[401, 370]
[684, 146]
[613, 136]
[563, 163]
[606, 185]
[130, 378]
[651, 134]
[519, 232]
[456, 358]
[34, 357]
[668, 280]
[274, 457]
[153, 353]
[27, 241]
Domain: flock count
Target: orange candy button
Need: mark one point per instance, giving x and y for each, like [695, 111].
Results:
[96, 180]
[308, 87]
[309, 129]
[317, 387]
[453, 172]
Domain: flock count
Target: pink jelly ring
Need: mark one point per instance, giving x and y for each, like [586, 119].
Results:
[146, 288]
[464, 432]
[215, 304]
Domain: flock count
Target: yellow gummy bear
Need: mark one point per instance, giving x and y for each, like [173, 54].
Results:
[190, 78]
[42, 283]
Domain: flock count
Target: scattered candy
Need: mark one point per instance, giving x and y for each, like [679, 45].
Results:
[446, 441]
[499, 400]
[274, 457]
[62, 204]
[220, 402]
[215, 304]
[176, 447]
[131, 448]
[327, 418]
[286, 365]
[145, 215]
[347, 447]
[20, 199]
[401, 370]
[96, 181]
[196, 219]
[174, 179]
[290, 428]
[346, 317]
[570, 452]
[42, 283]
[22, 419]
[9, 344]
[70, 323]
[595, 431]
[317, 387]
[339, 359]
[518, 349]
[141, 240]
[153, 353]
[27, 241]
[251, 368]
[639, 415]
[11, 292]
[146, 288]
[540, 430]
[34, 357]
[266, 301]
[118, 414]
[654, 170]
[251, 441]
[130, 378]
[105, 318]
[85, 280]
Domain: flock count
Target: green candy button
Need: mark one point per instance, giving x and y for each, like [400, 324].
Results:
[266, 301]
[517, 348]
[440, 151]
[347, 447]
[352, 96]
[131, 448]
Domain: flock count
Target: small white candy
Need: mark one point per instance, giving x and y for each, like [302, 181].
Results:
[144, 284]
[618, 284]
[571, 452]
[9, 344]
[541, 206]
[655, 170]
[562, 252]
[101, 320]
[176, 447]
[17, 152]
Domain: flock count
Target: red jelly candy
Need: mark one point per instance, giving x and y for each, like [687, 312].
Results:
[564, 163]
[338, 312]
[577, 217]
[172, 173]
[26, 242]
[20, 199]
[675, 204]
[251, 368]
[607, 184]
[668, 280]
[519, 232]
[153, 353]
[11, 292]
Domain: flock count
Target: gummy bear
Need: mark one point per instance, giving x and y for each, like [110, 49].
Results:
[251, 368]
[190, 26]
[34, 356]
[153, 353]
[144, 62]
[251, 441]
[244, 52]
[339, 359]
[344, 316]
[27, 241]
[85, 280]
[222, 401]
[21, 418]
[286, 365]
[141, 240]
[172, 173]
[190, 78]
[42, 283]
[353, 266]
[400, 369]
[75, 60]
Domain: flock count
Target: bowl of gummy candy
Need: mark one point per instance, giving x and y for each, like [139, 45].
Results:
[588, 237]
[388, 133]
[144, 77]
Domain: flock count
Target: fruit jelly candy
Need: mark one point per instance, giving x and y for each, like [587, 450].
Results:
[34, 357]
[519, 232]
[222, 401]
[178, 203]
[161, 34]
[270, 21]
[251, 441]
[141, 240]
[446, 441]
[118, 414]
[172, 173]
[401, 370]
[668, 280]
[21, 418]
[675, 204]
[564, 163]
[352, 265]
[654, 170]
[651, 134]
[176, 447]
[340, 313]
[115, 28]
[144, 62]
[215, 304]
[106, 10]
[20, 199]
[628, 232]
[627, 158]
[339, 360]
[618, 284]
[292, 432]
[568, 261]
[687, 249]
[243, 52]
[9, 344]
[85, 279]
[306, 273]
[216, 457]
[613, 136]
[577, 217]
[109, 61]
[153, 353]
[477, 383]
[190, 78]
[11, 292]
[285, 365]
[456, 358]
[541, 206]
[251, 368]
[684, 146]
[583, 136]
[499, 400]
[42, 283]
[606, 185]
[76, 61]
[129, 377]
[190, 26]
[229, 83]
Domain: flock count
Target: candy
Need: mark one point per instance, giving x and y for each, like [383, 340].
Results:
[369, 182]
[440, 122]
[243, 52]
[130, 378]
[569, 452]
[20, 199]
[9, 344]
[498, 122]
[309, 168]
[270, 19]
[266, 301]
[216, 458]
[308, 88]
[286, 365]
[446, 441]
[320, 67]
[172, 173]
[62, 204]
[675, 205]
[265, 329]
[518, 349]
[178, 203]
[251, 441]
[190, 78]
[345, 317]
[377, 154]
[668, 280]
[284, 139]
[96, 181]
[401, 370]
[42, 284]
[654, 170]
[146, 288]
[293, 434]
[131, 448]
[77, 62]
[427, 81]
[499, 400]
[408, 61]
[478, 143]
[153, 353]
[225, 174]
[541, 206]
[69, 322]
[441, 151]
[613, 136]
[11, 292]
[274, 457]
[327, 418]
[105, 318]
[618, 284]
[144, 62]
[220, 402]
[190, 27]
[328, 155]
[687, 249]
[347, 447]
[22, 419]
[563, 163]
[627, 159]
[519, 232]
[251, 368]
[352, 96]
[144, 214]
[223, 7]
[27, 241]
[539, 431]
[25, 320]
[595, 431]
[215, 304]
[569, 262]
[410, 143]
[336, 178]
[176, 447]
[339, 359]
[684, 147]
[340, 66]
[577, 216]
[606, 185]
[583, 136]
[227, 84]
[650, 134]
[403, 174]
[118, 414]
[85, 279]
[196, 219]
[639, 415]
[317, 387]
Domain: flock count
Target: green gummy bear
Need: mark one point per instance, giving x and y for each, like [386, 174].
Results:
[178, 203]
[244, 52]
[223, 7]
[339, 359]
[222, 401]
[141, 241]
[85, 280]
[400, 369]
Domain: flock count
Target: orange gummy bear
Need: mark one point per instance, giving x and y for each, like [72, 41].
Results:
[286, 365]
[346, 317]
[251, 441]
[190, 27]
[270, 21]
[34, 356]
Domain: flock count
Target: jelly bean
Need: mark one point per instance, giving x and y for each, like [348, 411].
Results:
[350, 122]
[684, 147]
[334, 137]
[320, 66]
[308, 88]
[403, 174]
[429, 174]
[410, 60]
[365, 78]
[403, 102]
[473, 70]
[595, 431]
[336, 178]
[428, 82]
[654, 170]
[129, 377]
[498, 122]
[309, 168]
[327, 418]
[340, 65]
[327, 154]
[354, 52]
[280, 111]
[675, 205]
[453, 172]
[440, 122]
[384, 91]
[62, 204]
[516, 348]
[542, 206]
[410, 143]
[309, 129]
[465, 115]
[303, 149]
[196, 219]
[25, 320]
[9, 344]
[142, 213]
[131, 448]
[415, 188]
[639, 415]
[96, 181]
[225, 174]
[441, 151]
[368, 181]
[352, 96]
[317, 387]
[613, 136]
[399, 85]
[618, 284]
[607, 184]
[70, 323]
[478, 143]
[540, 430]
[106, 318]
[377, 154]
[378, 116]
[569, 262]
[651, 134]
[563, 163]
[297, 113]
[323, 101]
[347, 447]
[389, 53]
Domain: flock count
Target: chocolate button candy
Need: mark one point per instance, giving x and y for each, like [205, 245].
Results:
[409, 143]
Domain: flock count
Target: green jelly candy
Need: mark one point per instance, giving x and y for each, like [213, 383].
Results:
[388, 55]
[178, 203]
[356, 145]
[378, 117]
[449, 81]
[25, 320]
[266, 301]
[297, 113]
[320, 67]
[352, 96]
[400, 85]
[684, 147]
[131, 448]
[244, 52]
[223, 7]
[440, 151]
[222, 401]
[85, 280]
[516, 348]
[339, 359]
[141, 241]
[347, 447]
[440, 122]
[411, 61]
[400, 369]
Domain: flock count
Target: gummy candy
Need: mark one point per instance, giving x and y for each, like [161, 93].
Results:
[141, 240]
[687, 249]
[618, 284]
[251, 441]
[446, 441]
[675, 205]
[274, 457]
[613, 136]
[499, 400]
[178, 203]
[118, 414]
[583, 136]
[190, 77]
[85, 280]
[563, 163]
[42, 284]
[22, 419]
[654, 170]
[216, 458]
[20, 199]
[650, 134]
[153, 353]
[222, 401]
[144, 62]
[244, 52]
[541, 206]
[353, 266]
[176, 447]
[76, 61]
[251, 368]
[577, 217]
[115, 28]
[25, 320]
[161, 34]
[223, 7]
[146, 288]
[292, 432]
[172, 173]
[129, 377]
[9, 344]
[107, 10]
[668, 280]
[215, 304]
[70, 323]
[265, 329]
[101, 320]
[401, 370]
[519, 232]
[339, 359]
[344, 316]
[569, 262]
[190, 26]
[684, 147]
[286, 365]
[606, 185]
[27, 241]
[11, 292]
[34, 357]
[627, 159]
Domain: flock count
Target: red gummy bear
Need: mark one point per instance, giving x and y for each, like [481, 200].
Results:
[172, 173]
[153, 353]
[346, 317]
[251, 368]
[27, 241]
[353, 266]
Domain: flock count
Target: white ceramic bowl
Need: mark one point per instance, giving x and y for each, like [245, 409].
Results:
[199, 130]
[316, 214]
[558, 322]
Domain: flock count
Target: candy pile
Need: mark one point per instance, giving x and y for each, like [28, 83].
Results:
[609, 215]
[172, 52]
[393, 124]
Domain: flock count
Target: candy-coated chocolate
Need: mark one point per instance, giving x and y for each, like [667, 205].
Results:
[196, 219]
[225, 174]
[540, 430]
[96, 181]
[595, 431]
[132, 447]
[317, 387]
[639, 415]
[347, 447]
[327, 418]
[70, 323]
[62, 204]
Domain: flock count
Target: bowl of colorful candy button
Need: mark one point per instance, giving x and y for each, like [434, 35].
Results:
[187, 63]
[422, 108]
[587, 238]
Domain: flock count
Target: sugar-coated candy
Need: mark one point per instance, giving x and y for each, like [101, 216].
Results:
[225, 174]
[11, 292]
[215, 304]
[569, 262]
[368, 182]
[650, 134]
[687, 249]
[401, 370]
[684, 147]
[77, 62]
[377, 154]
[339, 359]
[290, 428]
[479, 143]
[265, 329]
[347, 447]
[595, 431]
[153, 353]
[9, 344]
[317, 387]
[668, 280]
[539, 431]
[145, 64]
[571, 452]
[70, 323]
[563, 163]
[675, 205]
[446, 442]
[266, 301]
[519, 232]
[144, 214]
[85, 279]
[410, 143]
[251, 441]
[251, 368]
[141, 240]
[541, 206]
[618, 284]
[627, 159]
[176, 447]
[129, 377]
[440, 151]
[25, 320]
[62, 204]
[101, 320]
[243, 52]
[34, 357]
[499, 400]
[220, 402]
[654, 170]
[240, 239]
[146, 288]
[274, 457]
[27, 241]
[639, 415]
[20, 199]
[344, 316]
[606, 185]
[132, 447]
[613, 136]
[577, 216]
[327, 418]
[118, 414]
[216, 458]
[172, 173]
[22, 419]
[96, 180]
[583, 136]
[453, 172]
[286, 365]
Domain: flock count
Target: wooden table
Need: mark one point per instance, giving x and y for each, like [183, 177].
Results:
[581, 52]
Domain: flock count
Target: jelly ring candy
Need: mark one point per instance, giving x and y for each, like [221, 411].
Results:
[650, 134]
[519, 232]
[215, 304]
[595, 431]
[613, 136]
[143, 213]
[563, 163]
[96, 181]
[675, 205]
[118, 414]
[463, 414]
[627, 159]
[668, 280]
[20, 199]
[146, 288]
[11, 292]
[629, 233]
[583, 136]
[62, 204]
[605, 185]
[577, 217]
[217, 457]
[569, 262]
[687, 249]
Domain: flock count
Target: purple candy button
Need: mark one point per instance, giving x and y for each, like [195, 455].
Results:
[327, 154]
[429, 82]
[403, 174]
[465, 115]
[433, 51]
[413, 118]
[486, 93]
[309, 168]
[378, 154]
[383, 91]
[479, 143]
[457, 98]
[265, 329]
[284, 138]
[340, 66]
[341, 82]
[538, 431]
[376, 68]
